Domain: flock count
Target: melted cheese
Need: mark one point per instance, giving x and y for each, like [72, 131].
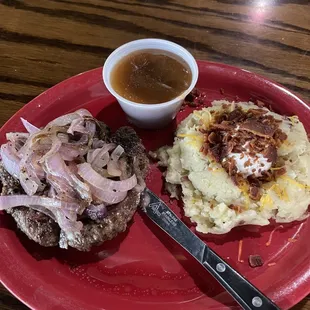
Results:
[293, 119]
[293, 182]
[191, 136]
[265, 201]
[202, 115]
[244, 188]
[195, 140]
[280, 192]
[277, 168]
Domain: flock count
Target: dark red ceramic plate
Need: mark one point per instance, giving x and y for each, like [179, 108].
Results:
[142, 268]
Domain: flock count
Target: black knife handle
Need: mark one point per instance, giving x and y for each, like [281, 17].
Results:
[242, 290]
[247, 295]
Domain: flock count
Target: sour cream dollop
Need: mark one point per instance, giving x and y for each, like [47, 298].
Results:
[248, 165]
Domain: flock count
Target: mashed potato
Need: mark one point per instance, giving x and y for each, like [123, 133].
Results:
[212, 199]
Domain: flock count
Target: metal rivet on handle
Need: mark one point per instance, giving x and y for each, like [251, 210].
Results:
[220, 267]
[257, 302]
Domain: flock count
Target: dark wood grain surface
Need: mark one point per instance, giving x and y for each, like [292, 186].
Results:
[43, 42]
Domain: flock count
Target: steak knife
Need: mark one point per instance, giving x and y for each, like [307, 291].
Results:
[245, 293]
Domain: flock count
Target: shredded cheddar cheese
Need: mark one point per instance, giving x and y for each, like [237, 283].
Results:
[277, 168]
[217, 169]
[195, 140]
[197, 114]
[240, 251]
[265, 201]
[271, 264]
[205, 117]
[194, 200]
[267, 186]
[281, 192]
[271, 234]
[285, 143]
[293, 119]
[245, 189]
[190, 136]
[195, 144]
[294, 182]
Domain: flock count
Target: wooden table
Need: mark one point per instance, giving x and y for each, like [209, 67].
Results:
[43, 42]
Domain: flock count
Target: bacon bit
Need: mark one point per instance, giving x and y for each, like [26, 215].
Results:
[247, 163]
[271, 234]
[184, 178]
[255, 261]
[260, 104]
[194, 99]
[240, 251]
[280, 135]
[239, 131]
[255, 193]
[291, 240]
[192, 104]
[190, 97]
[270, 153]
[271, 264]
[235, 207]
[258, 128]
[279, 172]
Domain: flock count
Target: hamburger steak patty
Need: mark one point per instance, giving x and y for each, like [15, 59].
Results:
[95, 233]
[36, 225]
[43, 230]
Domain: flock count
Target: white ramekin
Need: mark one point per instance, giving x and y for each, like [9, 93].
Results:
[150, 116]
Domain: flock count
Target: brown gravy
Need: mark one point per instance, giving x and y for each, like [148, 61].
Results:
[150, 76]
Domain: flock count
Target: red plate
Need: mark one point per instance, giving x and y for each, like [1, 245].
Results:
[142, 268]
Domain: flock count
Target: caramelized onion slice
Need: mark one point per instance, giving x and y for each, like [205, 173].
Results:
[95, 179]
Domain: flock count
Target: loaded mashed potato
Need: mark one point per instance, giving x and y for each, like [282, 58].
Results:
[239, 164]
